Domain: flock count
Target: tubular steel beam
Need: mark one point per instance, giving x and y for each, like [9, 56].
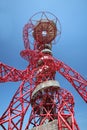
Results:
[8, 73]
[77, 81]
[14, 115]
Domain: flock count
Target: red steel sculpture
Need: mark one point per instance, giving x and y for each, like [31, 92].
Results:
[40, 99]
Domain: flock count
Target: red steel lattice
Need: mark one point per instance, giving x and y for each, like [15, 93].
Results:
[39, 92]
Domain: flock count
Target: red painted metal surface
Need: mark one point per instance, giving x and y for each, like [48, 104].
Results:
[51, 103]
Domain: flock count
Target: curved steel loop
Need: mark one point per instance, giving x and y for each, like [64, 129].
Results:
[27, 27]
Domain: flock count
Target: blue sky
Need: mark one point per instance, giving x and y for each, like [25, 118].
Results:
[71, 49]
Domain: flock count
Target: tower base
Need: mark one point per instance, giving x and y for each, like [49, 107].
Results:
[53, 125]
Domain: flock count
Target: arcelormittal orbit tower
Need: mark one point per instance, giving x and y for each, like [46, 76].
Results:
[40, 103]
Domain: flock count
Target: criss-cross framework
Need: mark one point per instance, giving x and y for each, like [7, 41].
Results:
[39, 93]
